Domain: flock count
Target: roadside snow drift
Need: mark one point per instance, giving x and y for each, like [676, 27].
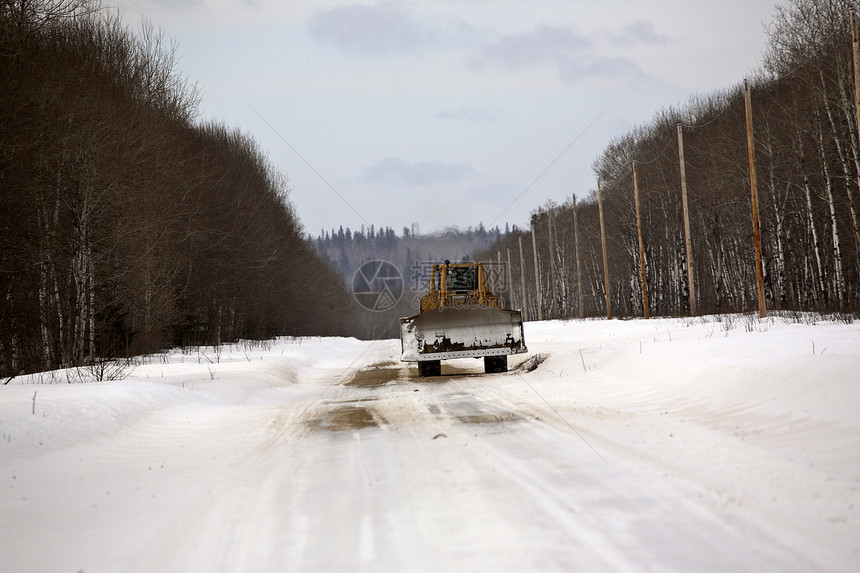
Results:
[712, 444]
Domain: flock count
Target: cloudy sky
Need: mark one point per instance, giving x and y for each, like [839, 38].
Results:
[448, 112]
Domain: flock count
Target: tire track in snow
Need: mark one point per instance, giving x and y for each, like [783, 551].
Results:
[225, 511]
[628, 488]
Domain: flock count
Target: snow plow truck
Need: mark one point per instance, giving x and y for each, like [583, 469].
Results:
[460, 318]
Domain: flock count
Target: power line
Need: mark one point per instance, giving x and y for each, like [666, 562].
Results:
[318, 174]
[551, 163]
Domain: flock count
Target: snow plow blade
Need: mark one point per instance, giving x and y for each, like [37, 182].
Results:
[444, 333]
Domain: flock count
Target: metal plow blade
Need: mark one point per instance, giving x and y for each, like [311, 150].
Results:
[461, 333]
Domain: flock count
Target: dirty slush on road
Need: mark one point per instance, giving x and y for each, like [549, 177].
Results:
[363, 401]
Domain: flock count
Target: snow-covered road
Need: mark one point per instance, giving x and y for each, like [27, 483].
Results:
[663, 445]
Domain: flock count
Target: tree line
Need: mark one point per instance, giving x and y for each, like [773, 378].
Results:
[411, 253]
[127, 224]
[346, 250]
[807, 157]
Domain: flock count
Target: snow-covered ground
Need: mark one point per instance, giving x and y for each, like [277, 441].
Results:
[663, 445]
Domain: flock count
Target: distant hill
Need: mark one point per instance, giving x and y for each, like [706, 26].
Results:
[347, 250]
[410, 253]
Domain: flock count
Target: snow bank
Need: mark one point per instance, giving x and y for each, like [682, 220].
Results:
[36, 417]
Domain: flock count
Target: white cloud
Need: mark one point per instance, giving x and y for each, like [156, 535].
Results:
[640, 32]
[388, 28]
[381, 29]
[575, 56]
[616, 70]
[393, 170]
[472, 114]
[544, 44]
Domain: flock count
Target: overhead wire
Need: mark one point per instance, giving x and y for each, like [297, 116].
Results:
[551, 163]
[658, 156]
[707, 123]
[318, 174]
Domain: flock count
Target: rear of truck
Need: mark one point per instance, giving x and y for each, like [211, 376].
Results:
[461, 318]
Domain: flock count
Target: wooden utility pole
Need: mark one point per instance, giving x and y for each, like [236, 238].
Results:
[537, 274]
[509, 284]
[576, 250]
[499, 282]
[553, 312]
[687, 242]
[603, 245]
[759, 269]
[641, 243]
[855, 44]
[523, 282]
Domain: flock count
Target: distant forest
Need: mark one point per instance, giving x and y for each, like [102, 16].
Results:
[807, 157]
[346, 250]
[410, 252]
[127, 225]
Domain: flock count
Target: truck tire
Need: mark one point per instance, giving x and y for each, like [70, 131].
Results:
[493, 364]
[430, 368]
